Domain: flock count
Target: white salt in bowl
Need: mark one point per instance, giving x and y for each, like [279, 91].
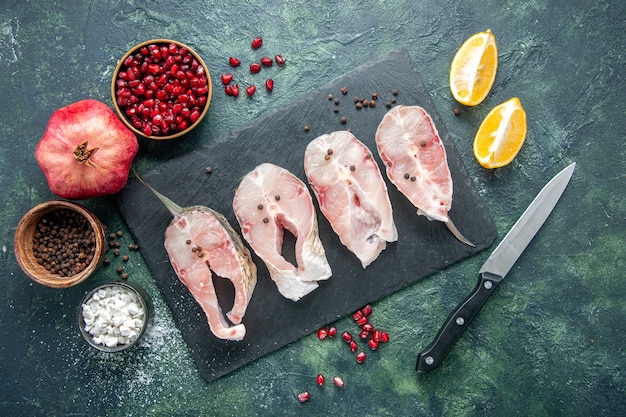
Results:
[114, 317]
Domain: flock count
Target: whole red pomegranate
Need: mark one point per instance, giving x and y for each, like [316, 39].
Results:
[86, 151]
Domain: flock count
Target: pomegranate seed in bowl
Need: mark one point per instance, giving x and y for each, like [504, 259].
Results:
[161, 89]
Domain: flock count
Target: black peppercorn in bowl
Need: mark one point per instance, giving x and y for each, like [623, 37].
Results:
[59, 243]
[114, 317]
[161, 89]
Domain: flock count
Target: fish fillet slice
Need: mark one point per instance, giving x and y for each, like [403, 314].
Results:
[199, 243]
[416, 162]
[268, 200]
[351, 193]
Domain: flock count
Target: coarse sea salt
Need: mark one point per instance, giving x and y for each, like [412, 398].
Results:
[113, 316]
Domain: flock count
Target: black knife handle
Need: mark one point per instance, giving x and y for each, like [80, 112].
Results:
[456, 323]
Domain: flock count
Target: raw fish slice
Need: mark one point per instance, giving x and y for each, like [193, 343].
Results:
[351, 193]
[416, 163]
[268, 200]
[199, 243]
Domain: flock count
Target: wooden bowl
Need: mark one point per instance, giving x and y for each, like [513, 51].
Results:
[25, 255]
[122, 110]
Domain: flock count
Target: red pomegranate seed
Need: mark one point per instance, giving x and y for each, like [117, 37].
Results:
[269, 85]
[234, 62]
[304, 396]
[227, 78]
[367, 310]
[332, 332]
[367, 327]
[384, 336]
[358, 315]
[363, 334]
[376, 336]
[322, 333]
[338, 381]
[267, 61]
[320, 379]
[280, 60]
[353, 346]
[255, 67]
[360, 358]
[361, 321]
[194, 116]
[235, 90]
[372, 344]
[257, 42]
[346, 336]
[250, 90]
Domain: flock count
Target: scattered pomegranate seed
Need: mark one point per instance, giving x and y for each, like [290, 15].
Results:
[250, 90]
[360, 358]
[232, 90]
[320, 379]
[234, 62]
[364, 335]
[338, 381]
[269, 85]
[367, 310]
[227, 78]
[346, 336]
[373, 344]
[358, 315]
[280, 60]
[322, 333]
[304, 396]
[376, 336]
[255, 67]
[332, 332]
[367, 327]
[353, 346]
[384, 336]
[257, 42]
[361, 321]
[267, 61]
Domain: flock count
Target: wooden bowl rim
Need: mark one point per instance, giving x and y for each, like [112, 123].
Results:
[122, 115]
[25, 231]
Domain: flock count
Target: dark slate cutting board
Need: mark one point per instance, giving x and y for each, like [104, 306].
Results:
[278, 137]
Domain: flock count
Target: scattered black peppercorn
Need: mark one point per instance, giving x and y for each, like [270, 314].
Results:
[456, 111]
[343, 120]
[306, 128]
[344, 90]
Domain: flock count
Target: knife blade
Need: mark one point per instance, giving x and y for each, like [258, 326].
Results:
[495, 269]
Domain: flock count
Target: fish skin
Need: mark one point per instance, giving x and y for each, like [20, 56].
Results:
[402, 153]
[295, 212]
[223, 254]
[354, 201]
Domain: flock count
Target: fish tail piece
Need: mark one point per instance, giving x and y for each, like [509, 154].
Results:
[458, 234]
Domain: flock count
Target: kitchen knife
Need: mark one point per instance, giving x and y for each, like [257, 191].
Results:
[494, 270]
